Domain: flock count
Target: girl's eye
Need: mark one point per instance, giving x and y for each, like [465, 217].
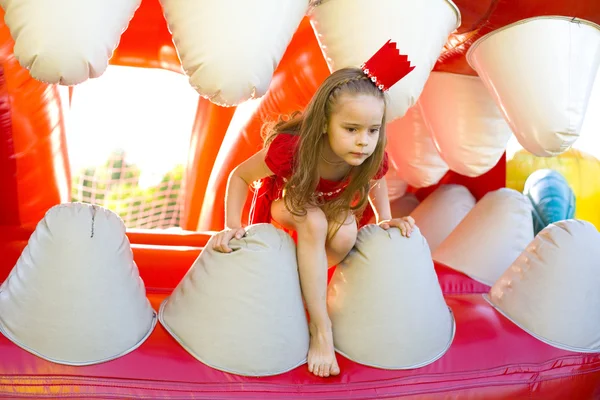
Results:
[374, 130]
[351, 129]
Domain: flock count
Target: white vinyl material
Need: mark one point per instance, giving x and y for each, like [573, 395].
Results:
[242, 312]
[441, 212]
[351, 31]
[75, 295]
[490, 238]
[66, 41]
[465, 123]
[385, 302]
[229, 49]
[551, 290]
[412, 151]
[540, 71]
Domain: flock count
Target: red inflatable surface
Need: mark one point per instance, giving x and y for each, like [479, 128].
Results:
[490, 358]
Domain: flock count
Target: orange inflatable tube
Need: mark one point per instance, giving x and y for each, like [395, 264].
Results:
[34, 165]
[208, 132]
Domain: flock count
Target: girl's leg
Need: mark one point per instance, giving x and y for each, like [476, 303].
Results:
[312, 264]
[343, 241]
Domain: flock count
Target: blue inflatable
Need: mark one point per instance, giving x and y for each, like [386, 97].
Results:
[551, 197]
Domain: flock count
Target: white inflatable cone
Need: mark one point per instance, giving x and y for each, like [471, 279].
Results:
[75, 295]
[229, 49]
[465, 123]
[396, 186]
[540, 71]
[385, 302]
[404, 206]
[242, 312]
[66, 41]
[401, 203]
[551, 290]
[420, 29]
[441, 212]
[412, 151]
[490, 238]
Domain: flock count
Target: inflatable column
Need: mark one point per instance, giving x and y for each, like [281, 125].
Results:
[351, 31]
[551, 290]
[75, 295]
[465, 123]
[540, 71]
[413, 152]
[230, 49]
[66, 41]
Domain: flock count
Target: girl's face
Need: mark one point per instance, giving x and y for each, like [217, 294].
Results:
[353, 129]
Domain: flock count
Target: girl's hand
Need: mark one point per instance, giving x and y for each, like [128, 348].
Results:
[405, 224]
[221, 239]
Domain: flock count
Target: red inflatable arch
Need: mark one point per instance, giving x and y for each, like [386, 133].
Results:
[490, 358]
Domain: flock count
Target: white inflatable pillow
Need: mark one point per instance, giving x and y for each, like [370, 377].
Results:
[242, 312]
[385, 302]
[75, 295]
[552, 289]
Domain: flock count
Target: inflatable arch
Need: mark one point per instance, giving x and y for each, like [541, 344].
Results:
[486, 330]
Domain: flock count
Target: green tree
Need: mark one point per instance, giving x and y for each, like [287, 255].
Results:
[115, 185]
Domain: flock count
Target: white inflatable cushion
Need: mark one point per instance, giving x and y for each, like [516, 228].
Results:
[404, 206]
[396, 186]
[242, 312]
[487, 241]
[75, 295]
[385, 302]
[465, 123]
[66, 41]
[412, 151]
[544, 97]
[420, 29]
[552, 289]
[441, 212]
[229, 48]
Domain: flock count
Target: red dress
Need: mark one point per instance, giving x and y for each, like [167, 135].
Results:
[280, 160]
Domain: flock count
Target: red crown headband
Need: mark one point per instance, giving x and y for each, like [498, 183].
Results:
[387, 66]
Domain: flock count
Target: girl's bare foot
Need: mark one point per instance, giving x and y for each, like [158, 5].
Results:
[321, 354]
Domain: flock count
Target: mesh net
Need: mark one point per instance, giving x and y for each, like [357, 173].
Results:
[118, 186]
[128, 136]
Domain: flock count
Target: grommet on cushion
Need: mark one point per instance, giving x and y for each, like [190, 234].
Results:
[441, 212]
[242, 312]
[385, 302]
[75, 295]
[490, 238]
[551, 290]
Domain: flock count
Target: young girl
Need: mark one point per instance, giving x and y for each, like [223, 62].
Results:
[319, 171]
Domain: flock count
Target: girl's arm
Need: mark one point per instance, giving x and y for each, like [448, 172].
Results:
[380, 201]
[378, 196]
[239, 180]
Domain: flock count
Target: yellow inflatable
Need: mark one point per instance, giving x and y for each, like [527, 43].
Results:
[581, 170]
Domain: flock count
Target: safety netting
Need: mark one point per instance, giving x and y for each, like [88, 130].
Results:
[132, 158]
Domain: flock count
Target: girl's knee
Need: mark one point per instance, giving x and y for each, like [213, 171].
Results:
[314, 222]
[341, 243]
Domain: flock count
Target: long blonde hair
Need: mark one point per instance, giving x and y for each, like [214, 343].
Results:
[300, 188]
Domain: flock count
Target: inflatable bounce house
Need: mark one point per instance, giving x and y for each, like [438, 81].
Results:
[496, 295]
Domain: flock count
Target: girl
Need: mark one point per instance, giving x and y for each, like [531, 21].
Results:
[318, 173]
